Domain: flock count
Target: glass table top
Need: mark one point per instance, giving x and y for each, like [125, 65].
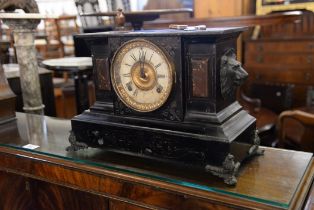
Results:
[272, 179]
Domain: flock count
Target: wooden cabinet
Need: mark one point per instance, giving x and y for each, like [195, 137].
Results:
[51, 178]
[51, 196]
[15, 192]
[23, 193]
[31, 181]
[282, 61]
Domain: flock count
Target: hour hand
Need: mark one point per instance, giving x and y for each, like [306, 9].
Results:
[142, 72]
[142, 63]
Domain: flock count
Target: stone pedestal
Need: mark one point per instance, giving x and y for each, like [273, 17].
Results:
[23, 32]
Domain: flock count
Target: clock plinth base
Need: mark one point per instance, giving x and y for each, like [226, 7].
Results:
[220, 151]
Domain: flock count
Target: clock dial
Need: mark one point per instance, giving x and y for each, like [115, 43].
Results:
[142, 75]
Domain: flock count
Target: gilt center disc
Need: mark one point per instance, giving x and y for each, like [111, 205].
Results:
[143, 76]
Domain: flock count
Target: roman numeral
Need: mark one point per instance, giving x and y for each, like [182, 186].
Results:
[127, 75]
[161, 76]
[129, 85]
[151, 57]
[135, 92]
[142, 55]
[159, 88]
[133, 56]
[159, 64]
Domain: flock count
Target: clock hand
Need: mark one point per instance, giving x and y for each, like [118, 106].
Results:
[142, 72]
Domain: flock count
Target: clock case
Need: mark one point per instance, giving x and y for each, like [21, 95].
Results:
[200, 125]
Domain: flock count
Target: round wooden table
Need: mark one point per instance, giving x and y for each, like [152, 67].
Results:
[79, 67]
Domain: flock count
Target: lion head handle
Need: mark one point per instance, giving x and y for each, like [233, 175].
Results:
[232, 74]
[29, 6]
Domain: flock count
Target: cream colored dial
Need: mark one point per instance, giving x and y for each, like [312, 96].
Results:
[142, 75]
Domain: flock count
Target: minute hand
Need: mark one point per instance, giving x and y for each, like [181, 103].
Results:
[142, 63]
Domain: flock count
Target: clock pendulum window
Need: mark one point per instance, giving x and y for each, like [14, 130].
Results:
[169, 95]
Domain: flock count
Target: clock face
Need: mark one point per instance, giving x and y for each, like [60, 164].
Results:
[142, 75]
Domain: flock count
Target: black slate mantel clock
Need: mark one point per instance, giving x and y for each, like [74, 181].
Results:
[170, 95]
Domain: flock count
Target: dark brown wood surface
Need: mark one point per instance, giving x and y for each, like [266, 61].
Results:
[287, 61]
[4, 50]
[283, 54]
[95, 179]
[250, 20]
[15, 192]
[299, 29]
[51, 197]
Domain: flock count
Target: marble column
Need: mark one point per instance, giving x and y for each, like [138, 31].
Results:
[23, 32]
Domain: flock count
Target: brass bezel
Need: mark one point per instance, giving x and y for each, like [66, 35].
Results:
[119, 89]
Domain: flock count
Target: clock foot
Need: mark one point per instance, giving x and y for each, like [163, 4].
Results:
[254, 149]
[75, 145]
[227, 171]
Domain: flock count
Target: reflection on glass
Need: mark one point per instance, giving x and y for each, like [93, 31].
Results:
[36, 129]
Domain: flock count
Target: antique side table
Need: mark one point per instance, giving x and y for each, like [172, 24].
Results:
[79, 67]
[4, 50]
[36, 172]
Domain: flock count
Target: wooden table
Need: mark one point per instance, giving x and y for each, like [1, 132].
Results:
[79, 67]
[137, 18]
[249, 20]
[48, 177]
[4, 51]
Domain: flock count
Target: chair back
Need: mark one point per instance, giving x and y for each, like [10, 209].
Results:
[89, 6]
[274, 96]
[296, 130]
[119, 4]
